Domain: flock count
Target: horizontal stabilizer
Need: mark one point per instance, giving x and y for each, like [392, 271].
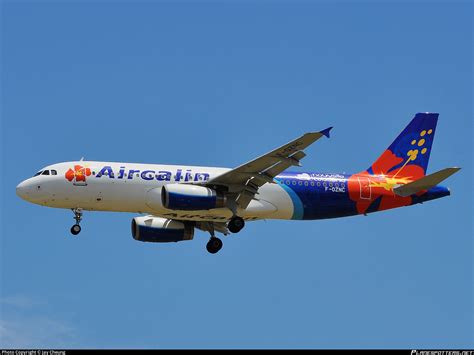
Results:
[425, 183]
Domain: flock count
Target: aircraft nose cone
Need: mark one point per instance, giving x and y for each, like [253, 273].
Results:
[22, 190]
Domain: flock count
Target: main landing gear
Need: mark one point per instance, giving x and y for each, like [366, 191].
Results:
[214, 244]
[76, 229]
[236, 224]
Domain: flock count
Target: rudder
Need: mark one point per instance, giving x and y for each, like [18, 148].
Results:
[409, 153]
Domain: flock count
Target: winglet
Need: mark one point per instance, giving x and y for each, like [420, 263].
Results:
[326, 131]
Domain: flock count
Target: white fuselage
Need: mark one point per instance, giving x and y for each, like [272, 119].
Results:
[132, 187]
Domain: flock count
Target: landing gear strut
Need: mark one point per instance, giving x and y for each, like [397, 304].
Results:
[76, 228]
[236, 224]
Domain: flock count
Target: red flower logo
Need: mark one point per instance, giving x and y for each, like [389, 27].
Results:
[79, 173]
[365, 188]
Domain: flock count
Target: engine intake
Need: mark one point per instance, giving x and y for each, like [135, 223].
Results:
[160, 230]
[191, 197]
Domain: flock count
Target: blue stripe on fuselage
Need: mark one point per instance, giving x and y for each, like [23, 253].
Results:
[320, 196]
[298, 209]
[317, 196]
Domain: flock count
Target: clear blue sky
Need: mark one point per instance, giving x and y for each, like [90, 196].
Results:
[217, 84]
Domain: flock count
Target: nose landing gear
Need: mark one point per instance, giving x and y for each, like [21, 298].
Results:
[76, 228]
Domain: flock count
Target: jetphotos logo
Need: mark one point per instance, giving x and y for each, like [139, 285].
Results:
[78, 175]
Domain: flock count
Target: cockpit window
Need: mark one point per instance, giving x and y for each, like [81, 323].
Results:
[46, 172]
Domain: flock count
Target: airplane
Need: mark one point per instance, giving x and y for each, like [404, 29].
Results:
[174, 200]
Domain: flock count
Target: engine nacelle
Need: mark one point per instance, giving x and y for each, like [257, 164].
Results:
[160, 230]
[190, 197]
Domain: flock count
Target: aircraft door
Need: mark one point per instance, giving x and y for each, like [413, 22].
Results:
[365, 189]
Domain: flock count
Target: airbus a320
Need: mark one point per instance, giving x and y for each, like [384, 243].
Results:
[174, 200]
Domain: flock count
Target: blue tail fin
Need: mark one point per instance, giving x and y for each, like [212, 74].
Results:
[410, 151]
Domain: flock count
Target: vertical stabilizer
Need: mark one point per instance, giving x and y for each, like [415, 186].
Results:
[409, 153]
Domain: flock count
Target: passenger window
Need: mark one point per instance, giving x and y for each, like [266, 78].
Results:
[54, 172]
[46, 172]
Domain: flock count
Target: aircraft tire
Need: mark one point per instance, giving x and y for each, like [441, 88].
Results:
[214, 245]
[75, 229]
[236, 224]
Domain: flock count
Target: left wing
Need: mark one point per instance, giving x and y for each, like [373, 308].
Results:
[245, 180]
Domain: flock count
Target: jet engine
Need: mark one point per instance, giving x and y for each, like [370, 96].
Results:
[160, 230]
[190, 197]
